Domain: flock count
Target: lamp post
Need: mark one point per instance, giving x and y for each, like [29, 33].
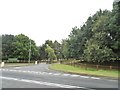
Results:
[29, 52]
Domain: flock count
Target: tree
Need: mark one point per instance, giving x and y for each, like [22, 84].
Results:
[65, 49]
[96, 53]
[8, 46]
[98, 36]
[22, 46]
[114, 28]
[50, 52]
[57, 49]
[50, 43]
[42, 52]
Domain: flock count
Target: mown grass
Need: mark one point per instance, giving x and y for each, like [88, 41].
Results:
[78, 70]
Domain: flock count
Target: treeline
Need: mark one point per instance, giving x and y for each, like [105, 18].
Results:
[98, 40]
[18, 47]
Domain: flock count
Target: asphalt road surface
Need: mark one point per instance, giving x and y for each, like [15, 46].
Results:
[39, 76]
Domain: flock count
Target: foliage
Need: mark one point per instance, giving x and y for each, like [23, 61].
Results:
[50, 52]
[18, 47]
[98, 40]
[7, 46]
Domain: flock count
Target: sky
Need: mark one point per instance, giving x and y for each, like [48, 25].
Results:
[47, 19]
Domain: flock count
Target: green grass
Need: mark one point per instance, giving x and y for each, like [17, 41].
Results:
[17, 64]
[78, 70]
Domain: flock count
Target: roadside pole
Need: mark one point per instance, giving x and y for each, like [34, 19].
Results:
[29, 52]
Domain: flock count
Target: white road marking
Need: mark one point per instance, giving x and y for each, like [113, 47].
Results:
[84, 76]
[17, 67]
[66, 75]
[36, 72]
[6, 70]
[95, 78]
[40, 82]
[31, 71]
[19, 71]
[50, 73]
[11, 70]
[28, 71]
[24, 71]
[43, 73]
[56, 74]
[75, 75]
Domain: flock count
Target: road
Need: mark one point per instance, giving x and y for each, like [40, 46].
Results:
[39, 76]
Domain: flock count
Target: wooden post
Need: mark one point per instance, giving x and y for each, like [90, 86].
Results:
[85, 67]
[110, 67]
[97, 66]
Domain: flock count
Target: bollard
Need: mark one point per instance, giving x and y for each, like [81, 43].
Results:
[35, 62]
[2, 64]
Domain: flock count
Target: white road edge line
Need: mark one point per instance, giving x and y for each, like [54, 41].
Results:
[40, 82]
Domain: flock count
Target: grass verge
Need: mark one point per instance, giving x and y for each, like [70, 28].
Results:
[91, 72]
[17, 64]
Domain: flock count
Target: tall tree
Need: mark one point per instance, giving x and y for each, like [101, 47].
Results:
[65, 49]
[114, 28]
[42, 52]
[51, 53]
[57, 49]
[22, 46]
[8, 46]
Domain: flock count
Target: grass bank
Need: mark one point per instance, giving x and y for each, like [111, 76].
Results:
[91, 72]
[17, 64]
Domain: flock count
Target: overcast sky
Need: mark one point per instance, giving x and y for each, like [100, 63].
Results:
[46, 19]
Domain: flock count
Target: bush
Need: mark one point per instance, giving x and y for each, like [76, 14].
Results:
[12, 60]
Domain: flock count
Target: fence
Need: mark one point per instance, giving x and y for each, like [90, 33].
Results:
[91, 66]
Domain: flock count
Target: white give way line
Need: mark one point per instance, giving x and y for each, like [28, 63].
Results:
[40, 82]
[46, 73]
